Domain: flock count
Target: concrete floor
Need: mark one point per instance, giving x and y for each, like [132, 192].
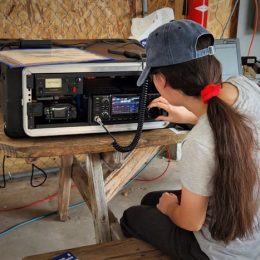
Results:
[49, 234]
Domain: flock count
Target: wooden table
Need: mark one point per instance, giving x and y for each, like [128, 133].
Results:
[95, 189]
[129, 249]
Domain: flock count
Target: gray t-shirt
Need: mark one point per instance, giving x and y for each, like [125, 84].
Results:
[196, 169]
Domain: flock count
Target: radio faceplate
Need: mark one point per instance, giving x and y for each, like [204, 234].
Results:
[120, 108]
[64, 99]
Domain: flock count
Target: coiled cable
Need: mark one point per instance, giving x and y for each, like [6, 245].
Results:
[142, 108]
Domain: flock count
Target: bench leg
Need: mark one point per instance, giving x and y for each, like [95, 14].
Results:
[64, 186]
[98, 203]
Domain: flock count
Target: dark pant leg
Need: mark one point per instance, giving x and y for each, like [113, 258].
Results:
[146, 222]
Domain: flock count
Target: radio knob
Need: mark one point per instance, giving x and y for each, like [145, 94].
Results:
[105, 102]
[154, 112]
[105, 115]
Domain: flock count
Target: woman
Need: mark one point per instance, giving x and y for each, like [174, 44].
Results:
[216, 214]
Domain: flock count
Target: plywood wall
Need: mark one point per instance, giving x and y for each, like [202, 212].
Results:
[218, 13]
[65, 19]
[88, 19]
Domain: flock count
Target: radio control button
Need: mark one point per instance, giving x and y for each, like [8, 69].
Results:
[105, 102]
[74, 89]
[105, 115]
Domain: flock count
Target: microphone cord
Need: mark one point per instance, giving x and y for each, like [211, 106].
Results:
[142, 108]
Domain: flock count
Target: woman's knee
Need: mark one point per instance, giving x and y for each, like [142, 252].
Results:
[129, 222]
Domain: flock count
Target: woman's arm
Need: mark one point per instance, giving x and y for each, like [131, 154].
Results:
[176, 114]
[190, 214]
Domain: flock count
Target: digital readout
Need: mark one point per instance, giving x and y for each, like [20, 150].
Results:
[125, 105]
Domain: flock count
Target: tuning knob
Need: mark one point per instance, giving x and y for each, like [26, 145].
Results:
[154, 112]
[105, 115]
[105, 102]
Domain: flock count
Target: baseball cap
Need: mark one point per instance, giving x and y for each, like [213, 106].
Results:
[173, 43]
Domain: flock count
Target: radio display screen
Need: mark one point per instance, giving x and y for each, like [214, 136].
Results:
[125, 105]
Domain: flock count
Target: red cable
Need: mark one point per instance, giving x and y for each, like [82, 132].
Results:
[159, 176]
[255, 28]
[32, 203]
[48, 198]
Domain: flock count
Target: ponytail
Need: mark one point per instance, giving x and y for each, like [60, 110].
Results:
[233, 202]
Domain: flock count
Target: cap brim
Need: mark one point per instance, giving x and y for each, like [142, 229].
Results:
[143, 76]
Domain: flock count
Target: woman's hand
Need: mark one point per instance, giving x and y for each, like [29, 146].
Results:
[176, 114]
[167, 203]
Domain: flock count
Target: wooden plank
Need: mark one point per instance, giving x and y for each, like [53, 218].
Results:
[80, 178]
[64, 186]
[113, 160]
[97, 198]
[117, 179]
[138, 10]
[8, 150]
[125, 249]
[116, 232]
[84, 144]
[178, 8]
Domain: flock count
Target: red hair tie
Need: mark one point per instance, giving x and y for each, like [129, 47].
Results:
[210, 91]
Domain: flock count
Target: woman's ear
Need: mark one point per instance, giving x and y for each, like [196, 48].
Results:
[159, 80]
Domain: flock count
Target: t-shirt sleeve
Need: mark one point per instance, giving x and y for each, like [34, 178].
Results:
[197, 167]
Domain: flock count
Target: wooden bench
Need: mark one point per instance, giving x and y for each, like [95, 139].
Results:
[122, 249]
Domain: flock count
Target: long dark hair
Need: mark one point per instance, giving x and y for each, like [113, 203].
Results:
[233, 203]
